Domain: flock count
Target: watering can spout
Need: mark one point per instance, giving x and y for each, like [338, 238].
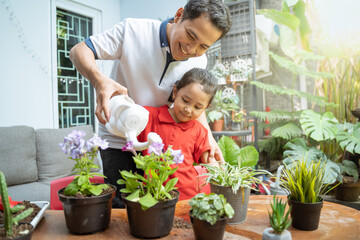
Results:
[128, 120]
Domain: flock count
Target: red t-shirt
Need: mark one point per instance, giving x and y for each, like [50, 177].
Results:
[190, 137]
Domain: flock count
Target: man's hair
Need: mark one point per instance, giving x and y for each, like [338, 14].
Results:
[198, 75]
[217, 12]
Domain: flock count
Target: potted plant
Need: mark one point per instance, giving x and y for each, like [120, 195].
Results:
[279, 221]
[220, 107]
[349, 187]
[237, 119]
[235, 177]
[12, 229]
[150, 200]
[83, 201]
[306, 183]
[209, 215]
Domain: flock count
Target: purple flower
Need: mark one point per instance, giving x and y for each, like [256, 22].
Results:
[178, 157]
[156, 148]
[129, 147]
[98, 142]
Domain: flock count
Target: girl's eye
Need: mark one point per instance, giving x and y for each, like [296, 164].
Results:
[191, 37]
[184, 100]
[198, 108]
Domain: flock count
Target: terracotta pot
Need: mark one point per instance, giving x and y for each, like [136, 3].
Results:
[237, 201]
[218, 125]
[348, 191]
[89, 214]
[306, 216]
[205, 231]
[155, 222]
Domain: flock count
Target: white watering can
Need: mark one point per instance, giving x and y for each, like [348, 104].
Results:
[128, 120]
[275, 187]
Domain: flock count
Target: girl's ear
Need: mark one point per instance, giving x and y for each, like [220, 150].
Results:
[174, 93]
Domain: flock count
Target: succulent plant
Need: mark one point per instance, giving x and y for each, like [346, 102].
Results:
[8, 211]
[279, 219]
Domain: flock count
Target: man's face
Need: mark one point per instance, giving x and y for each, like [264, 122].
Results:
[191, 38]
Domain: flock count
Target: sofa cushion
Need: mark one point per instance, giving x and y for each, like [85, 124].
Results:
[52, 162]
[18, 154]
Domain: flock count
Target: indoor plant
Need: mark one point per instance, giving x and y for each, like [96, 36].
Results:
[82, 200]
[279, 221]
[150, 200]
[220, 107]
[11, 227]
[235, 177]
[209, 215]
[306, 183]
[237, 119]
[349, 188]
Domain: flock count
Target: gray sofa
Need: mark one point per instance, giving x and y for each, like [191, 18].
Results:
[31, 159]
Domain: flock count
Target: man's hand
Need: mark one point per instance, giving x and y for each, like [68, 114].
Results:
[106, 89]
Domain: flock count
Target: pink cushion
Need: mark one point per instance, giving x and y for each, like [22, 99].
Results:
[60, 183]
[200, 170]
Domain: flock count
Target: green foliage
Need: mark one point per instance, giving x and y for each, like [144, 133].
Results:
[319, 127]
[233, 176]
[348, 137]
[234, 155]
[288, 131]
[281, 17]
[276, 115]
[149, 190]
[279, 219]
[210, 207]
[349, 168]
[305, 180]
[220, 106]
[8, 219]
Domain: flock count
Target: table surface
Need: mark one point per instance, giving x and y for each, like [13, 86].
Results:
[336, 222]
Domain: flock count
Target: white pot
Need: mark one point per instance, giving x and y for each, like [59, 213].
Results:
[269, 234]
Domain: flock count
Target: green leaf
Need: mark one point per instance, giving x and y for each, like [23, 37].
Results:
[134, 196]
[351, 169]
[127, 174]
[319, 127]
[248, 156]
[287, 131]
[147, 201]
[283, 18]
[305, 30]
[349, 140]
[229, 149]
[71, 189]
[170, 184]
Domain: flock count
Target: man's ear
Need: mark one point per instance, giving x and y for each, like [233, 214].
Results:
[178, 15]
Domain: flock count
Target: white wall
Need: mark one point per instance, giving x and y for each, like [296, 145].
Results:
[26, 89]
[154, 9]
[25, 82]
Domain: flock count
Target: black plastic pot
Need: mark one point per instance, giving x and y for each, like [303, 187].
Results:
[89, 214]
[306, 216]
[155, 222]
[348, 191]
[237, 201]
[205, 231]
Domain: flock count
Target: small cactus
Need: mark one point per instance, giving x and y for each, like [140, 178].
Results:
[8, 219]
[279, 219]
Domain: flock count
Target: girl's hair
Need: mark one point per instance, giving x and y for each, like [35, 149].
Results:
[201, 76]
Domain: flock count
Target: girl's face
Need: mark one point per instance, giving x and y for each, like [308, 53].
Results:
[189, 102]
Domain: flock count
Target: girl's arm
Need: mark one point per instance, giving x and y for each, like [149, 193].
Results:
[215, 153]
[204, 158]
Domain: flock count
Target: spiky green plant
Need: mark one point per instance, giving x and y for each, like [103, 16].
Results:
[279, 219]
[305, 180]
[8, 219]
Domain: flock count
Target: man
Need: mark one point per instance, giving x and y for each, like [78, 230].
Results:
[150, 56]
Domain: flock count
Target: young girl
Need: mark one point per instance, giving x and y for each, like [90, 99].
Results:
[177, 126]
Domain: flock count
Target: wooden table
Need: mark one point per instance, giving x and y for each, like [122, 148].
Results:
[336, 222]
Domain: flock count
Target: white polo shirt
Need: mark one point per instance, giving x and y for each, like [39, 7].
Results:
[143, 63]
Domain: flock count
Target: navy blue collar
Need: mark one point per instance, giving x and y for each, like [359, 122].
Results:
[163, 37]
